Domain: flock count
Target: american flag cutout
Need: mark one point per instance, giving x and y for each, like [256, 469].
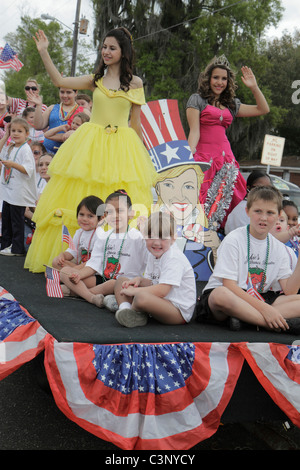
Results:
[144, 396]
[277, 367]
[21, 336]
[66, 237]
[164, 136]
[251, 289]
[53, 283]
[9, 59]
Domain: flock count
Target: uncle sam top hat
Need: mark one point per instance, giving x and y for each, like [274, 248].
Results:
[164, 136]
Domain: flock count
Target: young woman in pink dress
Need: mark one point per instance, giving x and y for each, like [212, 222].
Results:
[210, 112]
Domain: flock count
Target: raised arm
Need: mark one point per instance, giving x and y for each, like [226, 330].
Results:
[261, 107]
[76, 83]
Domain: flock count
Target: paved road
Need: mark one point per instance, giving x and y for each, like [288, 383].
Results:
[30, 420]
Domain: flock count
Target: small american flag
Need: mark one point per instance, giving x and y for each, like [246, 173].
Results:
[252, 291]
[66, 237]
[53, 283]
[9, 58]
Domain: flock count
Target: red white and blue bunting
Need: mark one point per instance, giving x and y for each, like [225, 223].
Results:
[147, 396]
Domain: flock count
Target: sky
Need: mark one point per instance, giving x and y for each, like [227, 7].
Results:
[65, 11]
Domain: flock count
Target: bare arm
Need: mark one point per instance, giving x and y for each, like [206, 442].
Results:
[57, 133]
[193, 118]
[16, 166]
[292, 284]
[78, 83]
[261, 107]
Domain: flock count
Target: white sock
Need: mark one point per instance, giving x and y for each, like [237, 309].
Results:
[124, 305]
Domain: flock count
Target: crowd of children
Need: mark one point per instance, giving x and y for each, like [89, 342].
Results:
[142, 274]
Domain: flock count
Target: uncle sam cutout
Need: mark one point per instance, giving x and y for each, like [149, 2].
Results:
[178, 184]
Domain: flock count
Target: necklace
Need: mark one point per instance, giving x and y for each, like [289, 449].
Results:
[88, 248]
[119, 255]
[66, 117]
[8, 171]
[262, 283]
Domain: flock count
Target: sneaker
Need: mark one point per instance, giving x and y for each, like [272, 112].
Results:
[130, 318]
[294, 326]
[97, 300]
[235, 324]
[111, 303]
[6, 251]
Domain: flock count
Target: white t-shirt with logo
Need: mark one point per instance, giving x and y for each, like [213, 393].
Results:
[84, 241]
[173, 268]
[105, 255]
[232, 261]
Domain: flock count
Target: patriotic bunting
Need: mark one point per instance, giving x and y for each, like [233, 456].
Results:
[147, 396]
[21, 336]
[140, 396]
[277, 367]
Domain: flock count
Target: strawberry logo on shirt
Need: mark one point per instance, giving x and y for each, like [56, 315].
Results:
[112, 268]
[256, 277]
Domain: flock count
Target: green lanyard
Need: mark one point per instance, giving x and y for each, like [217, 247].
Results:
[8, 171]
[261, 285]
[119, 255]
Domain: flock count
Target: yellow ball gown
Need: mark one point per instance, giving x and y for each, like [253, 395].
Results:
[103, 155]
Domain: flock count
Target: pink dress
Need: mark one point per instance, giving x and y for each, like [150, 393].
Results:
[214, 147]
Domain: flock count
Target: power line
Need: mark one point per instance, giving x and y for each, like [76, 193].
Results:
[189, 21]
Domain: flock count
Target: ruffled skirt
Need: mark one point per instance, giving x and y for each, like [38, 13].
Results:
[91, 162]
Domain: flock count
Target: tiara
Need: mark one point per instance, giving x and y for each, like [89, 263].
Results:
[222, 60]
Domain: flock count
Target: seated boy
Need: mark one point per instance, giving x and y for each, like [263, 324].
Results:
[250, 263]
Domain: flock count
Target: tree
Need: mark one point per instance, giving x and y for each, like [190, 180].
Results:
[60, 47]
[175, 39]
[283, 74]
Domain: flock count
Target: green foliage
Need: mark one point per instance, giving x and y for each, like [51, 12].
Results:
[174, 40]
[60, 50]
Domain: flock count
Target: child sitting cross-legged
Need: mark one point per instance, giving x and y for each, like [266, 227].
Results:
[250, 264]
[167, 291]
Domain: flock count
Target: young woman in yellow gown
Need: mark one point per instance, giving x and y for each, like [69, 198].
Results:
[103, 155]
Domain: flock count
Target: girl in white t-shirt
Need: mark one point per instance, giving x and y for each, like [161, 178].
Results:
[18, 186]
[120, 251]
[84, 238]
[167, 291]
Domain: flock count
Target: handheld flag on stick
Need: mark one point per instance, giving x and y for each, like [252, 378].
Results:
[66, 237]
[252, 291]
[53, 283]
[9, 59]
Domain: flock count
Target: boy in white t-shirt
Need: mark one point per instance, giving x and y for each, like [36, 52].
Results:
[251, 263]
[167, 291]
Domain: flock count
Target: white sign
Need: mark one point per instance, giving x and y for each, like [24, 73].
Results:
[272, 150]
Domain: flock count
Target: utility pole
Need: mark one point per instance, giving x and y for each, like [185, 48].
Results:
[75, 39]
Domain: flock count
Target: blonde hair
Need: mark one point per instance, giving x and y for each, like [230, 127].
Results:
[160, 225]
[34, 81]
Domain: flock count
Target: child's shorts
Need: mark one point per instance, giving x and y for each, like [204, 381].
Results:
[205, 315]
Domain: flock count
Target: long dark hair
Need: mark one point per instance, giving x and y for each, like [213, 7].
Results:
[227, 96]
[124, 39]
